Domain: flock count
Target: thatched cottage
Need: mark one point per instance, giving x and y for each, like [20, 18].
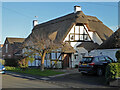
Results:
[74, 29]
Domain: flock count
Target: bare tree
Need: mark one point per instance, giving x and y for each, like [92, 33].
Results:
[44, 44]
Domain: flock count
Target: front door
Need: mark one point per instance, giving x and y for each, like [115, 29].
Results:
[66, 60]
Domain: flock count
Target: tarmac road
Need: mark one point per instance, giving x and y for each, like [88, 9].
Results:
[9, 81]
[73, 80]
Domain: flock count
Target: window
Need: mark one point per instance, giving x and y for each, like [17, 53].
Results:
[108, 59]
[59, 56]
[102, 59]
[6, 48]
[96, 59]
[75, 56]
[53, 55]
[87, 59]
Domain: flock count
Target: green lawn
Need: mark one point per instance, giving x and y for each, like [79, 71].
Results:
[37, 72]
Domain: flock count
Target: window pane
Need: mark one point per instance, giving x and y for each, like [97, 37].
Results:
[53, 55]
[96, 59]
[101, 58]
[108, 59]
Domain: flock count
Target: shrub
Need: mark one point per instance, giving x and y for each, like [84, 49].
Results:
[8, 68]
[112, 72]
[2, 61]
[23, 63]
[118, 56]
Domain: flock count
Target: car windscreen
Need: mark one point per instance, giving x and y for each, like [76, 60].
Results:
[87, 59]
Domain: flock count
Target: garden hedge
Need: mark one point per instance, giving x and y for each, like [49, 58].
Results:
[118, 56]
[112, 72]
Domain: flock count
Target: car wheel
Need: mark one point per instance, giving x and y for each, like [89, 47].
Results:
[99, 72]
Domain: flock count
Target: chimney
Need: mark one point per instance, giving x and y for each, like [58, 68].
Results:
[35, 22]
[77, 9]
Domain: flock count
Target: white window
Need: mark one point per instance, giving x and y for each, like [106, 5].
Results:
[53, 55]
[6, 48]
[59, 56]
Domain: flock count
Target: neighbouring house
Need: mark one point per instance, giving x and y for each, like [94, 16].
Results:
[77, 30]
[109, 47]
[1, 45]
[12, 47]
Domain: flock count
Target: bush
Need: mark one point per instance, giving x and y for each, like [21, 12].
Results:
[23, 63]
[118, 56]
[10, 68]
[112, 72]
[11, 62]
[2, 61]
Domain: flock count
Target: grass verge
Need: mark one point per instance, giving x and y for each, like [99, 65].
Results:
[36, 72]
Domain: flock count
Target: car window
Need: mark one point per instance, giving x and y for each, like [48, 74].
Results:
[108, 59]
[96, 59]
[102, 59]
[87, 59]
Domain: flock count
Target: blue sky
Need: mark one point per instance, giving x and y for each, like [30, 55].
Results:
[17, 17]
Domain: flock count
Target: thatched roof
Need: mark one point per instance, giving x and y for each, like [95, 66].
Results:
[57, 29]
[88, 45]
[113, 42]
[13, 40]
[102, 30]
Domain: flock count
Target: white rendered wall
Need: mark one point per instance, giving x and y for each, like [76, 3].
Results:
[108, 52]
[94, 36]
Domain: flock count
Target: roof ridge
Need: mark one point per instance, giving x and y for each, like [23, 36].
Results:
[56, 19]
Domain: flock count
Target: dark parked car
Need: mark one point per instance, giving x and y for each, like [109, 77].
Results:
[96, 64]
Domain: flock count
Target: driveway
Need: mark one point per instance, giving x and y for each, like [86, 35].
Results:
[81, 81]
